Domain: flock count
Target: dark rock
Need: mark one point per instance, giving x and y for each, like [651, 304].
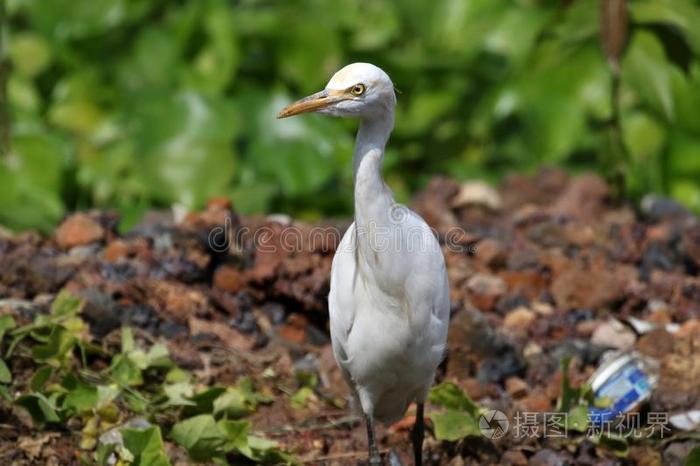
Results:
[584, 351]
[657, 209]
[140, 315]
[170, 329]
[118, 272]
[546, 457]
[102, 312]
[275, 312]
[657, 256]
[498, 367]
[245, 322]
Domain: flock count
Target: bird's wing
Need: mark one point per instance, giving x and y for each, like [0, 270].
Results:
[341, 304]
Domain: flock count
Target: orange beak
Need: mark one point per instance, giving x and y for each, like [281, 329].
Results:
[313, 103]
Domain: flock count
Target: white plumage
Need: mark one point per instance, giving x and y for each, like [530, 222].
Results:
[389, 299]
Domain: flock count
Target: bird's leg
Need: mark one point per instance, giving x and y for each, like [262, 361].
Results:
[417, 435]
[374, 458]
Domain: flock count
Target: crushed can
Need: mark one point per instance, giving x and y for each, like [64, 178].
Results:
[624, 380]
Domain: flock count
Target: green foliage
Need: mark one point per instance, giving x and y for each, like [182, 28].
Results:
[575, 402]
[460, 416]
[146, 446]
[693, 458]
[63, 390]
[132, 104]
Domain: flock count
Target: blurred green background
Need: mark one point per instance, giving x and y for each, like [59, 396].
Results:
[135, 104]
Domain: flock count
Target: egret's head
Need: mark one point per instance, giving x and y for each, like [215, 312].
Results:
[358, 90]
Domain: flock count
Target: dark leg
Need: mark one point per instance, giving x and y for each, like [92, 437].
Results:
[417, 435]
[374, 458]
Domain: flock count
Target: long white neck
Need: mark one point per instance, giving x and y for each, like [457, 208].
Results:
[373, 199]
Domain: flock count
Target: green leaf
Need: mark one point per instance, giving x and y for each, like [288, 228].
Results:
[127, 340]
[452, 397]
[454, 425]
[41, 409]
[693, 458]
[104, 453]
[200, 436]
[65, 305]
[646, 69]
[179, 394]
[125, 371]
[5, 374]
[30, 54]
[569, 395]
[301, 397]
[6, 323]
[236, 433]
[5, 393]
[40, 377]
[682, 14]
[60, 343]
[263, 450]
[203, 401]
[233, 404]
[245, 385]
[577, 419]
[616, 443]
[81, 396]
[146, 445]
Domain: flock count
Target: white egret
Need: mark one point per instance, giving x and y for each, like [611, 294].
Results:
[389, 299]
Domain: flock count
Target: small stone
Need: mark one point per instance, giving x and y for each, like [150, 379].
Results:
[535, 403]
[519, 319]
[514, 458]
[491, 252]
[485, 290]
[516, 387]
[294, 330]
[477, 193]
[531, 349]
[546, 457]
[228, 278]
[476, 389]
[116, 250]
[544, 309]
[613, 334]
[659, 313]
[78, 230]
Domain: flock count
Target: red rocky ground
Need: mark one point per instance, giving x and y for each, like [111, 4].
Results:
[538, 268]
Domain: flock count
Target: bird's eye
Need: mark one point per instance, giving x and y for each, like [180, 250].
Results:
[358, 89]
